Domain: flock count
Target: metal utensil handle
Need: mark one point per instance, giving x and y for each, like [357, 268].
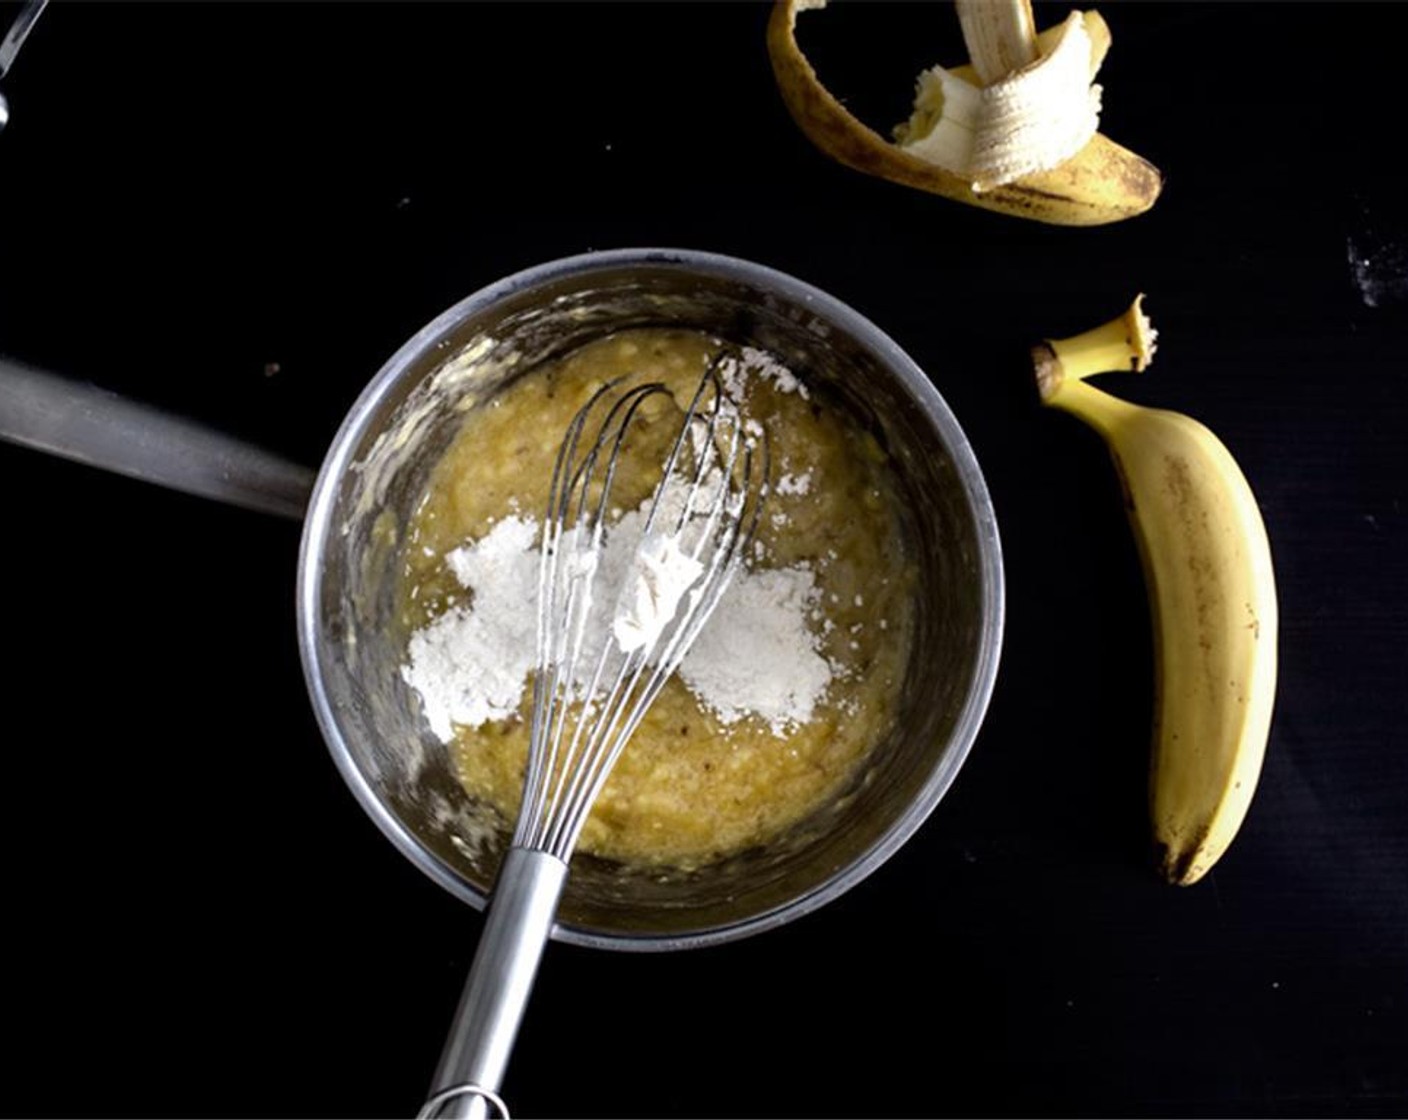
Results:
[91, 425]
[19, 30]
[520, 918]
[11, 43]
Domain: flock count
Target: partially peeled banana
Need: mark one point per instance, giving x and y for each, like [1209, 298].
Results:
[1207, 563]
[967, 139]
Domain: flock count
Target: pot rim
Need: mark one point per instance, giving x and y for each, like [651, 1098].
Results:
[317, 527]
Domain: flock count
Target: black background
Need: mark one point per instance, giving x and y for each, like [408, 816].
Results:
[239, 212]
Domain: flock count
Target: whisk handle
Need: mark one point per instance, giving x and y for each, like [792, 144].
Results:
[520, 919]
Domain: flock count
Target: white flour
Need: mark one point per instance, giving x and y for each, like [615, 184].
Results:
[795, 484]
[470, 664]
[657, 585]
[736, 373]
[756, 655]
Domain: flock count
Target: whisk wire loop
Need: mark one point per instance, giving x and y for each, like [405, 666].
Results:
[554, 663]
[563, 836]
[583, 720]
[547, 583]
[595, 744]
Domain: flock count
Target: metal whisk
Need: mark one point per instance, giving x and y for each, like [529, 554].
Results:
[597, 674]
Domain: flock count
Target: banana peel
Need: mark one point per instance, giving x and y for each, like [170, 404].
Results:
[1101, 183]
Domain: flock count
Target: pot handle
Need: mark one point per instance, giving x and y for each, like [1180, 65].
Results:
[94, 426]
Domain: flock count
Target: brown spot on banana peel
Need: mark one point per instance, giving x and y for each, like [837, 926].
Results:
[1178, 867]
[1207, 595]
[1101, 183]
[1183, 859]
[1181, 868]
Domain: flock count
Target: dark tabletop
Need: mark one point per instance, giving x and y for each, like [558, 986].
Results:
[239, 212]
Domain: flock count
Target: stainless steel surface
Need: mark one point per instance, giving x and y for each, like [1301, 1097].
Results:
[467, 1099]
[376, 471]
[501, 978]
[14, 38]
[93, 426]
[19, 30]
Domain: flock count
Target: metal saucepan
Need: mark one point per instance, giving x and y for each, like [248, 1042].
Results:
[376, 471]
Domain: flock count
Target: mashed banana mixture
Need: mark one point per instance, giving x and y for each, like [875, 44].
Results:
[716, 766]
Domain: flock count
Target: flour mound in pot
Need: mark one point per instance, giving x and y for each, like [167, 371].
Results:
[792, 681]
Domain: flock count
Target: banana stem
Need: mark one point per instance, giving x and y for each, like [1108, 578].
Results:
[1125, 343]
[1000, 36]
[1101, 410]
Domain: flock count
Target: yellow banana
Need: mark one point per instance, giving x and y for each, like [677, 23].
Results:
[1207, 564]
[1102, 182]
